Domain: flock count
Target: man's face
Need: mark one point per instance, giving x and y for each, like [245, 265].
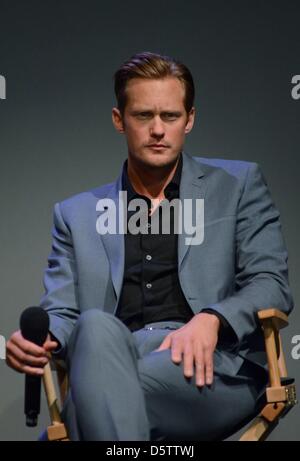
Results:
[155, 121]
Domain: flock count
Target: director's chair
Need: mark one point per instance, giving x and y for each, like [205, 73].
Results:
[277, 401]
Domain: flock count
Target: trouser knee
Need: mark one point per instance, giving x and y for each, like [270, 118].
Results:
[99, 330]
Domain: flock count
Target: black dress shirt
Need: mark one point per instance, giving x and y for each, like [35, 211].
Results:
[151, 289]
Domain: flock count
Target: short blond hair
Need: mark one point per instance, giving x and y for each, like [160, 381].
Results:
[149, 65]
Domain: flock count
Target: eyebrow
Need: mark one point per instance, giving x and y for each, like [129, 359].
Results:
[164, 112]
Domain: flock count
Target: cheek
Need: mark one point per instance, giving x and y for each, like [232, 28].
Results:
[177, 134]
[138, 135]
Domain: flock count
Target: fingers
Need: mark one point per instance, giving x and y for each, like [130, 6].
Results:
[165, 344]
[22, 368]
[188, 362]
[209, 366]
[50, 346]
[195, 353]
[200, 368]
[27, 347]
[176, 350]
[204, 367]
[195, 356]
[25, 356]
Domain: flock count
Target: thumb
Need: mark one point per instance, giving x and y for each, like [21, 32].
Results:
[50, 344]
[166, 344]
[49, 347]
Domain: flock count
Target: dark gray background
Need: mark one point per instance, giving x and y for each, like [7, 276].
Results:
[57, 139]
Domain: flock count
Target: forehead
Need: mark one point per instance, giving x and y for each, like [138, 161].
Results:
[168, 92]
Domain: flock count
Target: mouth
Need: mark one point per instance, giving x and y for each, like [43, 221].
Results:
[157, 146]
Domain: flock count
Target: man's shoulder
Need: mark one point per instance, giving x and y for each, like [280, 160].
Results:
[86, 199]
[234, 167]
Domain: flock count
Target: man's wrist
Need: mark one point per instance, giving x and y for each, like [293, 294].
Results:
[227, 335]
[214, 317]
[222, 320]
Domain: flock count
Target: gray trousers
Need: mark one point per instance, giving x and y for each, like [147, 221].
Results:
[121, 390]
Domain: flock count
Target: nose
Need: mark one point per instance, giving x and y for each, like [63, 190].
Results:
[157, 129]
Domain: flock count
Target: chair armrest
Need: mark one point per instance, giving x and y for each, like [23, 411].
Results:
[57, 430]
[279, 319]
[272, 320]
[281, 393]
[51, 395]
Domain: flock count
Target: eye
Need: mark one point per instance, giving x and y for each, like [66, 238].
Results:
[170, 116]
[143, 115]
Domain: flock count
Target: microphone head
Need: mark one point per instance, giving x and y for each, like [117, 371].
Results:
[34, 325]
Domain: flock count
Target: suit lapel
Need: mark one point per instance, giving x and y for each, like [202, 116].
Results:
[114, 243]
[192, 186]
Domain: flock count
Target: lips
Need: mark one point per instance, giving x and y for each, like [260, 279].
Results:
[157, 145]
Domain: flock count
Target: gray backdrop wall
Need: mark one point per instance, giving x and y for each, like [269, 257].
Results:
[57, 139]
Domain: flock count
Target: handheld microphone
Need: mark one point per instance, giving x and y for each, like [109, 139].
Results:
[34, 326]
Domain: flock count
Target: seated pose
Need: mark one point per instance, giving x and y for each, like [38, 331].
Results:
[154, 281]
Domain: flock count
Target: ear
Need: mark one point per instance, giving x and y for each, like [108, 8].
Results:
[190, 120]
[117, 120]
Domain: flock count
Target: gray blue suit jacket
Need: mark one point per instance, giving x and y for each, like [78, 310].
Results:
[238, 269]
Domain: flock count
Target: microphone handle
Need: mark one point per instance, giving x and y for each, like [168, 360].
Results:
[32, 399]
[34, 325]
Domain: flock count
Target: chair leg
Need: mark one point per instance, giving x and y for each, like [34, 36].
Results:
[57, 432]
[264, 423]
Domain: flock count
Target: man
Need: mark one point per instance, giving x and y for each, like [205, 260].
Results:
[160, 335]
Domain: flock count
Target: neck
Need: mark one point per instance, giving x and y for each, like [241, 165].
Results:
[150, 182]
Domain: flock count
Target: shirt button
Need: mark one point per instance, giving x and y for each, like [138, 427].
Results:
[148, 224]
[149, 285]
[149, 257]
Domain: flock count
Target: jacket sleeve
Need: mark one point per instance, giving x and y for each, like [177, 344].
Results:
[61, 282]
[261, 275]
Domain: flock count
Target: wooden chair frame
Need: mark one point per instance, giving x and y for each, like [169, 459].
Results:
[280, 394]
[57, 430]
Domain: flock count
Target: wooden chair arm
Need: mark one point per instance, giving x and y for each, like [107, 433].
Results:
[51, 395]
[272, 320]
[280, 394]
[279, 319]
[57, 430]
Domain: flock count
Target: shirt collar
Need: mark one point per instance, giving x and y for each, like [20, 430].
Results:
[171, 190]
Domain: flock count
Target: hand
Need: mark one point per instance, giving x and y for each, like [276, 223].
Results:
[26, 357]
[197, 341]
